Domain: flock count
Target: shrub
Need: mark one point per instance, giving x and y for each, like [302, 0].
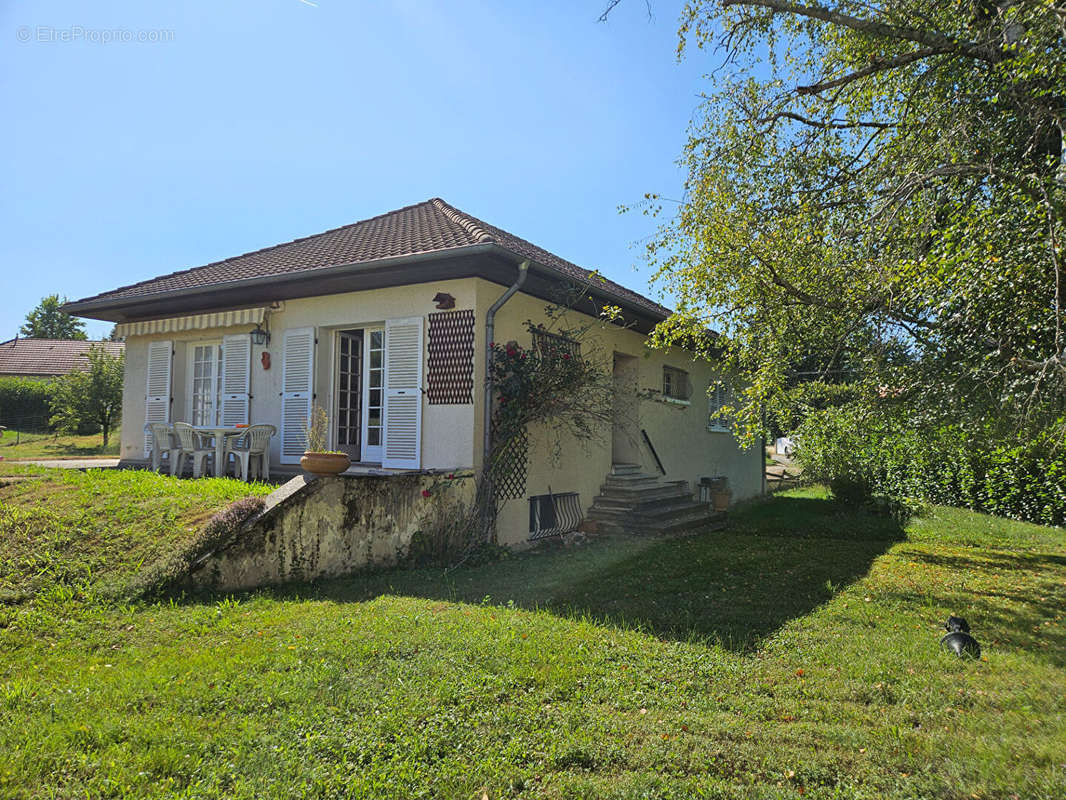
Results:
[24, 403]
[856, 455]
[833, 449]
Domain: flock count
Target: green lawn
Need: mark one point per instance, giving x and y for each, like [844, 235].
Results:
[55, 445]
[793, 655]
[84, 534]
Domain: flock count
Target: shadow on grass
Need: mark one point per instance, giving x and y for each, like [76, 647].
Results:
[1013, 599]
[777, 561]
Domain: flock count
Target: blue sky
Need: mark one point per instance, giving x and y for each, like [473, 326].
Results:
[252, 123]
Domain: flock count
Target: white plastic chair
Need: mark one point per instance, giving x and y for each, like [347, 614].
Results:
[252, 448]
[162, 445]
[190, 443]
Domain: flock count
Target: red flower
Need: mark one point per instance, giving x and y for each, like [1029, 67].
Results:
[451, 476]
[426, 493]
[566, 356]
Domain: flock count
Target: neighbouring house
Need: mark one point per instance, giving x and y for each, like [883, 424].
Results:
[383, 323]
[48, 358]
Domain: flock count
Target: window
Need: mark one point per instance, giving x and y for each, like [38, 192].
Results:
[717, 398]
[547, 345]
[553, 514]
[205, 387]
[676, 384]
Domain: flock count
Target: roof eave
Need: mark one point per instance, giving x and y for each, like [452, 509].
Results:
[115, 309]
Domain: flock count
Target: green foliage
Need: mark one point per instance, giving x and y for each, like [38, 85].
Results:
[90, 397]
[876, 194]
[24, 402]
[553, 384]
[944, 465]
[732, 665]
[47, 321]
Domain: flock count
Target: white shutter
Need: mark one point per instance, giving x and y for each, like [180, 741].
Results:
[297, 373]
[402, 424]
[157, 388]
[235, 375]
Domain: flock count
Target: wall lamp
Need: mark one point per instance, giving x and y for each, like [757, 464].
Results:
[259, 335]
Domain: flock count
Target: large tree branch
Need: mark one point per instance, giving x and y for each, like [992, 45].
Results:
[931, 39]
[880, 65]
[832, 123]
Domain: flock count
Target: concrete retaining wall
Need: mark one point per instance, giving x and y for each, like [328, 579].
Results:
[327, 527]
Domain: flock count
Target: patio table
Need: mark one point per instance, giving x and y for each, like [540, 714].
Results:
[220, 434]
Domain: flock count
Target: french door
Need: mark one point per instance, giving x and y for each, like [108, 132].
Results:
[373, 400]
[349, 414]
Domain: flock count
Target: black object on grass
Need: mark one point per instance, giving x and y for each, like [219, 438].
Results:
[958, 639]
[957, 624]
[961, 644]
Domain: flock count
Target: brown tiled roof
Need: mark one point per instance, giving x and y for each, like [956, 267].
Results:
[430, 227]
[48, 356]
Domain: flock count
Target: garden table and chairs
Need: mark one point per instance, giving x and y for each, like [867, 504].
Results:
[205, 445]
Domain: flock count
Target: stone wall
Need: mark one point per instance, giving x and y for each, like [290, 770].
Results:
[326, 527]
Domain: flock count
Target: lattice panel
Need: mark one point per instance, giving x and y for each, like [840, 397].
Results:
[450, 372]
[509, 474]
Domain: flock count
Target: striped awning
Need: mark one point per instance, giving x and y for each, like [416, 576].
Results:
[196, 322]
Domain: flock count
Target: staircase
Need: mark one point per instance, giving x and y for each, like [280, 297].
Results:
[631, 501]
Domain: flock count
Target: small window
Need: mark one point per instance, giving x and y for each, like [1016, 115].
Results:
[552, 345]
[676, 384]
[717, 399]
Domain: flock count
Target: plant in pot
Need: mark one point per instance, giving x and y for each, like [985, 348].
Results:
[316, 458]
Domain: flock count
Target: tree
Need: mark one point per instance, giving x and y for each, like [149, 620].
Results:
[92, 396]
[47, 321]
[882, 186]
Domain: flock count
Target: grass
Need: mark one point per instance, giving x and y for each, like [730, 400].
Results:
[793, 655]
[55, 445]
[93, 533]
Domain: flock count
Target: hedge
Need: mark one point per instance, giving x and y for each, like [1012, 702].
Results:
[24, 403]
[856, 455]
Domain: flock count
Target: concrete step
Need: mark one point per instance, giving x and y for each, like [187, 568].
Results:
[625, 469]
[716, 521]
[665, 514]
[641, 494]
[636, 479]
[653, 507]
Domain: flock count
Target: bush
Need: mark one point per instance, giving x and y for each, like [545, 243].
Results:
[24, 403]
[857, 456]
[832, 449]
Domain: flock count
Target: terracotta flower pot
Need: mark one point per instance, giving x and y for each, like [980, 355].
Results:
[721, 498]
[325, 463]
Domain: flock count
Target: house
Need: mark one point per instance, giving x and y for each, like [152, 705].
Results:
[48, 358]
[383, 322]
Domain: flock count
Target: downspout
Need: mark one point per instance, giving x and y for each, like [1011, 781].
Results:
[490, 332]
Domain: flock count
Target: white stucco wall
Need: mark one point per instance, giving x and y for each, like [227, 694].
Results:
[688, 448]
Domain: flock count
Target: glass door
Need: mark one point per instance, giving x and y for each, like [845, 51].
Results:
[205, 361]
[373, 371]
[349, 417]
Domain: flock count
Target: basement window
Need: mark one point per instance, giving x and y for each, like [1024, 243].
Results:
[676, 385]
[553, 514]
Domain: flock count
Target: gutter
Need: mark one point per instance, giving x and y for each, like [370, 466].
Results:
[490, 332]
